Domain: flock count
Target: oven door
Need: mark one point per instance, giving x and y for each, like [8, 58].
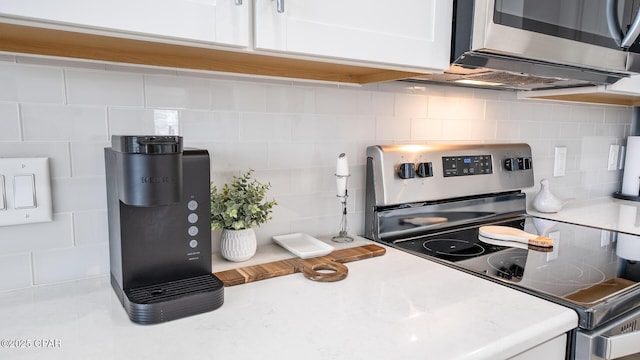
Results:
[616, 339]
[584, 33]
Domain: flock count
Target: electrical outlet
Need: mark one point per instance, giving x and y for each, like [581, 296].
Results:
[614, 151]
[560, 162]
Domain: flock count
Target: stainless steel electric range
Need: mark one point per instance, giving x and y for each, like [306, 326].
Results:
[430, 201]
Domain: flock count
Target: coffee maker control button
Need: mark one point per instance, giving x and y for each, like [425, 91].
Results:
[192, 205]
[192, 218]
[193, 243]
[193, 230]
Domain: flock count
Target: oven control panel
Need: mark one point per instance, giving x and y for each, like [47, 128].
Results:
[466, 165]
[400, 174]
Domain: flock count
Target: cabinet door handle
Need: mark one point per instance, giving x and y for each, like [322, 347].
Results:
[279, 6]
[238, 2]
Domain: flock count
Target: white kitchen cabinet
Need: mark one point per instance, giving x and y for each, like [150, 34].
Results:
[414, 33]
[350, 41]
[224, 22]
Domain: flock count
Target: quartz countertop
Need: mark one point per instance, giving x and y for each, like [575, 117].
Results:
[396, 306]
[602, 212]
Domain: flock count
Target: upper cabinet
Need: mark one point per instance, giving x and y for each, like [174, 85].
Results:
[356, 41]
[222, 22]
[413, 33]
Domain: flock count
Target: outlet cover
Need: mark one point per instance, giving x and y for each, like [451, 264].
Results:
[614, 152]
[560, 162]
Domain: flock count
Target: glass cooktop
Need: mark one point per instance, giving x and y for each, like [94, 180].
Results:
[586, 266]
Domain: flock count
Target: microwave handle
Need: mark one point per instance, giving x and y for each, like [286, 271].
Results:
[615, 30]
[633, 32]
[615, 347]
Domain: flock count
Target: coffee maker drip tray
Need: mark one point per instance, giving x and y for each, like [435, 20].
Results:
[172, 300]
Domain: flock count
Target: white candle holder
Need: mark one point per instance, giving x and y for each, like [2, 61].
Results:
[343, 235]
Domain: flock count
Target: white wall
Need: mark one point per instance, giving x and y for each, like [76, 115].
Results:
[289, 132]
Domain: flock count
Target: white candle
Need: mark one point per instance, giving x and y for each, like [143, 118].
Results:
[342, 173]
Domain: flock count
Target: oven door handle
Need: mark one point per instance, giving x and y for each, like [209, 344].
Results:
[615, 347]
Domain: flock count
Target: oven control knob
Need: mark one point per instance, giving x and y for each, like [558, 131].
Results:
[514, 164]
[511, 164]
[407, 171]
[424, 169]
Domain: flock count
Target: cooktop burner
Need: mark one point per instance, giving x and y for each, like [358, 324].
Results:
[453, 247]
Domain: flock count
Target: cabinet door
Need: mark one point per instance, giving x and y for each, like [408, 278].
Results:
[414, 33]
[218, 21]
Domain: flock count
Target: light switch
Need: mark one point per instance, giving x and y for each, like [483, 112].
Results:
[3, 202]
[24, 191]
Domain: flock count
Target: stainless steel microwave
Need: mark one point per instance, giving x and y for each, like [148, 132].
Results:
[537, 44]
[585, 33]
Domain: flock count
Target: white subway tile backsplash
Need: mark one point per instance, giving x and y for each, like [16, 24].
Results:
[382, 104]
[87, 158]
[261, 126]
[239, 156]
[210, 126]
[71, 263]
[47, 235]
[392, 128]
[15, 271]
[79, 193]
[290, 133]
[411, 106]
[103, 88]
[354, 128]
[423, 129]
[32, 84]
[177, 92]
[341, 102]
[318, 128]
[292, 155]
[497, 110]
[57, 152]
[250, 97]
[90, 227]
[9, 122]
[290, 99]
[130, 121]
[455, 108]
[63, 123]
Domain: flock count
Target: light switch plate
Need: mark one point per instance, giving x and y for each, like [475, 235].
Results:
[21, 169]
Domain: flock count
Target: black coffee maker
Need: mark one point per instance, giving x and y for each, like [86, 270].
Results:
[159, 228]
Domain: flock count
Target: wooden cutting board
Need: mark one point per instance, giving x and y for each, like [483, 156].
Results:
[331, 266]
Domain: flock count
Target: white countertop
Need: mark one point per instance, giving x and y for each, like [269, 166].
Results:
[396, 306]
[603, 212]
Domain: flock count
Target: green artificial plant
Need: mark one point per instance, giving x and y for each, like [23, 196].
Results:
[240, 204]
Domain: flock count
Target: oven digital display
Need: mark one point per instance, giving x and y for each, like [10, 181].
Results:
[466, 165]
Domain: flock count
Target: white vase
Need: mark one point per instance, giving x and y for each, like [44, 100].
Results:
[545, 201]
[238, 245]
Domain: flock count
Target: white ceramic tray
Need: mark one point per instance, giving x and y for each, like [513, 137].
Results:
[302, 245]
